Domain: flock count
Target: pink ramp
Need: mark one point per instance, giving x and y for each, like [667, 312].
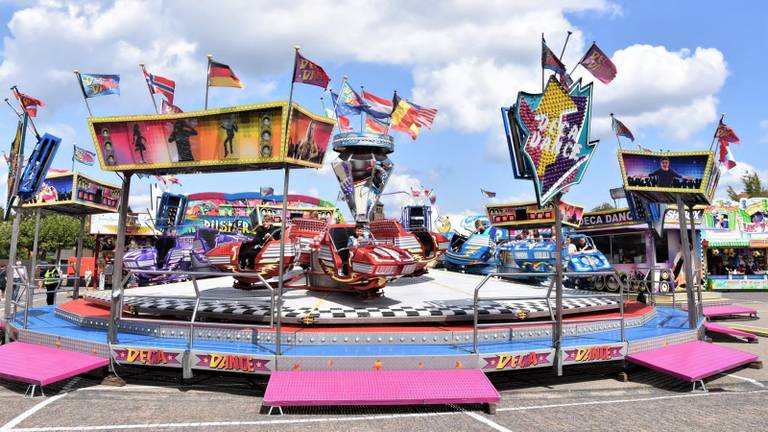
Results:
[395, 387]
[41, 365]
[718, 328]
[692, 361]
[728, 310]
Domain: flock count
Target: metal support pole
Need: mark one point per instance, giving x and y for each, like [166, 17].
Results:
[281, 274]
[558, 333]
[9, 269]
[78, 259]
[699, 270]
[35, 243]
[116, 307]
[687, 264]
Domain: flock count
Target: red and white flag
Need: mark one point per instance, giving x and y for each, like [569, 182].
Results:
[158, 84]
[28, 103]
[169, 108]
[375, 126]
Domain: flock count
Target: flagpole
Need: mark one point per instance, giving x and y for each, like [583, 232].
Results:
[362, 113]
[281, 271]
[18, 114]
[85, 97]
[73, 158]
[714, 137]
[613, 126]
[31, 122]
[207, 78]
[542, 64]
[336, 101]
[580, 60]
[149, 87]
[562, 52]
[390, 114]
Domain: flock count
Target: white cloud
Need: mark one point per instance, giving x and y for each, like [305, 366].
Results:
[139, 203]
[733, 178]
[764, 131]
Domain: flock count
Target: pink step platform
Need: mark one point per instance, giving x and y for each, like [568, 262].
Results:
[395, 387]
[39, 365]
[719, 328]
[728, 310]
[692, 361]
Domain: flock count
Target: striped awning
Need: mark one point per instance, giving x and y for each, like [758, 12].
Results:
[727, 243]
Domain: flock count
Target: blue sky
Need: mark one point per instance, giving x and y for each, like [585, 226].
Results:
[680, 64]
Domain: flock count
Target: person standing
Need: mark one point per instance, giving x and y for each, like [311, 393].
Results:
[19, 277]
[51, 281]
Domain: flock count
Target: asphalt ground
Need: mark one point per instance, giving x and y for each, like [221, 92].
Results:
[586, 398]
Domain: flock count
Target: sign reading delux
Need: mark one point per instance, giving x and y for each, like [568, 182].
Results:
[591, 354]
[622, 216]
[519, 360]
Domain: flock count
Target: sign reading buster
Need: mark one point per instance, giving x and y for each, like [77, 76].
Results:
[663, 176]
[530, 215]
[242, 137]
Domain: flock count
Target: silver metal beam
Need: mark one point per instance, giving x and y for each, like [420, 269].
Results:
[116, 307]
[687, 263]
[78, 258]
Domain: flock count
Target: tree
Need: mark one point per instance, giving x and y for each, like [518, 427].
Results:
[752, 185]
[603, 206]
[57, 232]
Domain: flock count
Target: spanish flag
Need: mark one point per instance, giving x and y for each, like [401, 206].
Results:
[404, 117]
[221, 75]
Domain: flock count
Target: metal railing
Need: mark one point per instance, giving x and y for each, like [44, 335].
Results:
[274, 314]
[27, 292]
[547, 297]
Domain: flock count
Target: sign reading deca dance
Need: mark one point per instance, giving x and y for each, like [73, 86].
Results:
[519, 360]
[231, 362]
[548, 134]
[608, 218]
[244, 137]
[591, 354]
[143, 356]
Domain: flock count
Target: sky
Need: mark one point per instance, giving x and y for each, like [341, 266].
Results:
[680, 65]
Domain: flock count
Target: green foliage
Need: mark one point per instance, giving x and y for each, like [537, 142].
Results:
[752, 186]
[56, 232]
[603, 206]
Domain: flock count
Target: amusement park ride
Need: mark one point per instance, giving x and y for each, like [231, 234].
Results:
[466, 324]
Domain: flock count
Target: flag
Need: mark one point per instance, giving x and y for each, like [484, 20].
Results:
[60, 171]
[343, 122]
[425, 116]
[221, 75]
[404, 117]
[308, 72]
[84, 156]
[347, 102]
[432, 198]
[169, 108]
[375, 126]
[173, 180]
[28, 103]
[99, 84]
[599, 64]
[266, 191]
[427, 191]
[725, 134]
[549, 60]
[158, 84]
[488, 194]
[565, 80]
[415, 192]
[376, 106]
[620, 129]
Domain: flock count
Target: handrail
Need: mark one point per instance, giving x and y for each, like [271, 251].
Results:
[199, 297]
[552, 321]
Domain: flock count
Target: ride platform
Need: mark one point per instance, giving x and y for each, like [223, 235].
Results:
[721, 329]
[362, 343]
[380, 387]
[693, 361]
[39, 365]
[729, 311]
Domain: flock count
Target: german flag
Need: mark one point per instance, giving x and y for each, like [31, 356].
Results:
[404, 117]
[221, 75]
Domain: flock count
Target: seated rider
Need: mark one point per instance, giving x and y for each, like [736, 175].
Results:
[582, 245]
[264, 233]
[353, 242]
[479, 227]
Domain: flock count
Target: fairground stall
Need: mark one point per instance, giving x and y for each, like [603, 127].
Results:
[140, 231]
[735, 238]
[634, 248]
